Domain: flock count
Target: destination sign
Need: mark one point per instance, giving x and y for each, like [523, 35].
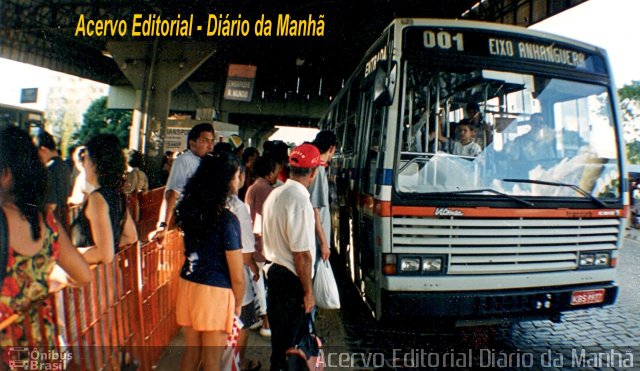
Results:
[506, 46]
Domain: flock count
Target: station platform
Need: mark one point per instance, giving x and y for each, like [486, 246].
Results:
[632, 234]
[329, 325]
[137, 313]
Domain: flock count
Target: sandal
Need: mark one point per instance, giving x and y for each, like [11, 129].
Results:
[253, 366]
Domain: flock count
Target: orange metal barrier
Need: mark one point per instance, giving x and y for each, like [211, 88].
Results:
[148, 209]
[126, 313]
[160, 272]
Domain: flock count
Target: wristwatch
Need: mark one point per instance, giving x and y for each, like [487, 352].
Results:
[161, 225]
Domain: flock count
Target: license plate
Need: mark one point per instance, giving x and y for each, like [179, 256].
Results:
[587, 297]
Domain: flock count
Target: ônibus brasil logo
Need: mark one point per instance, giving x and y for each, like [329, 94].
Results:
[25, 358]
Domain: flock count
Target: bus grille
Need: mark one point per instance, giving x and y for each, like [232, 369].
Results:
[504, 246]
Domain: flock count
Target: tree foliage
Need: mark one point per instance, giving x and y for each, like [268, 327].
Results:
[630, 91]
[630, 110]
[98, 119]
[633, 152]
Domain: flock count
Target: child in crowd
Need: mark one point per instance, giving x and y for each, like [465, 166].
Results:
[267, 170]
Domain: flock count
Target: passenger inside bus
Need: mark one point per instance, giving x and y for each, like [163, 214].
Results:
[465, 145]
[483, 134]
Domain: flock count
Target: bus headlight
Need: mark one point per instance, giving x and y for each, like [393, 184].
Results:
[586, 260]
[413, 265]
[409, 264]
[431, 264]
[595, 259]
[602, 259]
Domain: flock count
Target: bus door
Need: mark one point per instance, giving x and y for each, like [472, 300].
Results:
[369, 163]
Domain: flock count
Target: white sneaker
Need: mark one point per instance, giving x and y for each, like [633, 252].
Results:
[256, 325]
[266, 332]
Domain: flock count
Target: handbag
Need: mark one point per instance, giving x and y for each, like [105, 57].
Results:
[325, 288]
[306, 354]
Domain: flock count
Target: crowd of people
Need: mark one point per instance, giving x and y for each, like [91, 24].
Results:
[39, 255]
[254, 226]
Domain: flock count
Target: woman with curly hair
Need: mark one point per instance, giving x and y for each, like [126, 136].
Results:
[211, 285]
[104, 223]
[36, 242]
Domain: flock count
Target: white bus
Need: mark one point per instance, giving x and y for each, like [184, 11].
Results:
[515, 212]
[31, 120]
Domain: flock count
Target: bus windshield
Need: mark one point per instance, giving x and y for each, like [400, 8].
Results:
[469, 129]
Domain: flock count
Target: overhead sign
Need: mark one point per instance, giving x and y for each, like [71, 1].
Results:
[240, 80]
[29, 95]
[175, 138]
[511, 47]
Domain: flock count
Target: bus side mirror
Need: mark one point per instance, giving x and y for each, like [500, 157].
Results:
[384, 85]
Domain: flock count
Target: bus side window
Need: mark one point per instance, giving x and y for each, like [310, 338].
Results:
[371, 165]
[350, 121]
[350, 135]
[340, 134]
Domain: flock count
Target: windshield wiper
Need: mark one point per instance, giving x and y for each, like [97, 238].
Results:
[494, 192]
[557, 184]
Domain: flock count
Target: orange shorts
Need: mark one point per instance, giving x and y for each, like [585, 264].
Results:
[204, 307]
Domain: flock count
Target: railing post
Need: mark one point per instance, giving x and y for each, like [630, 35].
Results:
[136, 314]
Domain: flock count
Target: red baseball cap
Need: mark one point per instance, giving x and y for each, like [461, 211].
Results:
[305, 156]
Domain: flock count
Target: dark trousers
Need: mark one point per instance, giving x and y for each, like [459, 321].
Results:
[285, 307]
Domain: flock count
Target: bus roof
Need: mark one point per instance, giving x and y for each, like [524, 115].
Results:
[20, 108]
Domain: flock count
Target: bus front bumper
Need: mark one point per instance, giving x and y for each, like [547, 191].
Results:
[538, 302]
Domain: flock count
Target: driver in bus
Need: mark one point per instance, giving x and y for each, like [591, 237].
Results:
[537, 144]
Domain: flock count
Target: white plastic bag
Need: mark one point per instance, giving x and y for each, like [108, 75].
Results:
[325, 288]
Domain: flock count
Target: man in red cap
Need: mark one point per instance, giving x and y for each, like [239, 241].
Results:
[288, 235]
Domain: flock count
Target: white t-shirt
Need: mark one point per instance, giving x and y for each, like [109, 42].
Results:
[472, 149]
[288, 225]
[241, 211]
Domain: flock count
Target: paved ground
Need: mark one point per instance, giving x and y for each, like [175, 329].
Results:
[601, 338]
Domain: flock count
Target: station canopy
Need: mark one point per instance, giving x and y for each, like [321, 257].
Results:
[42, 32]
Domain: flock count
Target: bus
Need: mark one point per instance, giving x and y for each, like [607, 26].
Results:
[28, 119]
[634, 193]
[528, 225]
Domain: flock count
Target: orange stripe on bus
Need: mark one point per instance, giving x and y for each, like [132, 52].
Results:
[487, 212]
[385, 209]
[382, 208]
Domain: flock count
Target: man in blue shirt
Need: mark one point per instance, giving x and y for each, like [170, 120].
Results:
[200, 142]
